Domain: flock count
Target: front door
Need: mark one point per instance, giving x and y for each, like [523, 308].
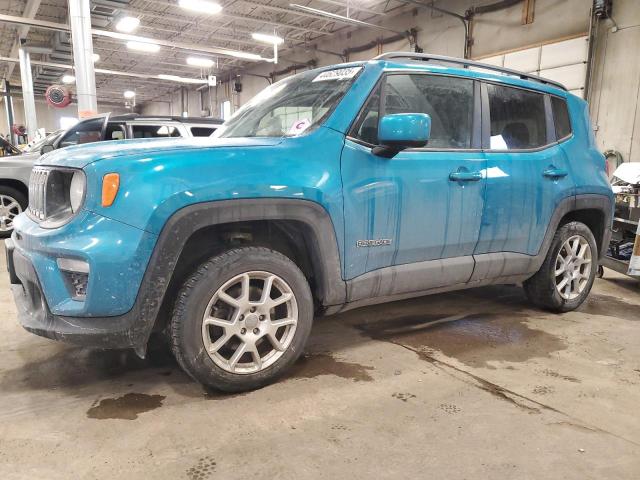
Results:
[422, 204]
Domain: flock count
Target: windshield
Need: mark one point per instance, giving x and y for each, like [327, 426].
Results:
[40, 143]
[291, 106]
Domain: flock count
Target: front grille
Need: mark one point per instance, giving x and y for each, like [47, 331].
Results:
[37, 192]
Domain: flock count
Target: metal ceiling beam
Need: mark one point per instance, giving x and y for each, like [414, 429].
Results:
[30, 10]
[244, 18]
[127, 37]
[343, 19]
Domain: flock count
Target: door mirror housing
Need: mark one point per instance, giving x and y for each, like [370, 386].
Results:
[400, 131]
[46, 149]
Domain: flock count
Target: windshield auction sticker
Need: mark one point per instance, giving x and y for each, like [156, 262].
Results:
[338, 74]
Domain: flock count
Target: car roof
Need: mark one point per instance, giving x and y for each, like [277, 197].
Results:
[458, 66]
[162, 118]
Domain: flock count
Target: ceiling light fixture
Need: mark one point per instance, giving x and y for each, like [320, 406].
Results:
[176, 78]
[127, 24]
[201, 6]
[68, 79]
[143, 46]
[129, 94]
[200, 62]
[247, 55]
[95, 57]
[270, 39]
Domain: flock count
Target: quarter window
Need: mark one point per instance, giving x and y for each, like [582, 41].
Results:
[447, 100]
[561, 118]
[517, 118]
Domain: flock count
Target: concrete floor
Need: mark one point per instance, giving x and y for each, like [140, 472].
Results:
[470, 385]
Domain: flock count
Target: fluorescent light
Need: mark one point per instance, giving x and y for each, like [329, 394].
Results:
[68, 79]
[247, 55]
[95, 57]
[176, 78]
[143, 46]
[263, 37]
[199, 62]
[127, 24]
[129, 94]
[201, 6]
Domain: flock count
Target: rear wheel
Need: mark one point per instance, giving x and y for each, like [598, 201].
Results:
[12, 203]
[242, 319]
[567, 274]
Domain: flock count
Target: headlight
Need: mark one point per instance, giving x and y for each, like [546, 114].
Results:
[55, 195]
[76, 191]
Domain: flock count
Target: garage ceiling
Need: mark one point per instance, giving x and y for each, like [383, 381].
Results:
[164, 19]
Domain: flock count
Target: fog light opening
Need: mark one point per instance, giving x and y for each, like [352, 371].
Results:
[76, 275]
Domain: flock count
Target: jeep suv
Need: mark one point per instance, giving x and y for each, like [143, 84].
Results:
[339, 187]
[15, 172]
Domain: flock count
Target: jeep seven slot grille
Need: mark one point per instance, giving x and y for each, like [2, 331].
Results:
[37, 193]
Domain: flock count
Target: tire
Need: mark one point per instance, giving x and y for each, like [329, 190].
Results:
[206, 349]
[10, 196]
[546, 289]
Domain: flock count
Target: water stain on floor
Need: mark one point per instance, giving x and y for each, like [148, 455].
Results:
[315, 365]
[126, 407]
[474, 339]
[610, 306]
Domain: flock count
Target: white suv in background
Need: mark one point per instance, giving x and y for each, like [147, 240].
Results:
[15, 170]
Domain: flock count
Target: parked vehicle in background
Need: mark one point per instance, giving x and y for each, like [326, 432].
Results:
[8, 149]
[14, 174]
[335, 188]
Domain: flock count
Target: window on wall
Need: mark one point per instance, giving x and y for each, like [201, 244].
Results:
[517, 118]
[447, 100]
[561, 118]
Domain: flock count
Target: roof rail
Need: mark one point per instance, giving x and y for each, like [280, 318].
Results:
[426, 57]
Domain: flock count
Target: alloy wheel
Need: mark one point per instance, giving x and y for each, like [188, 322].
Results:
[250, 322]
[573, 267]
[9, 210]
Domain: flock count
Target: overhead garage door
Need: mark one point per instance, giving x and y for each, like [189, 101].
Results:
[564, 61]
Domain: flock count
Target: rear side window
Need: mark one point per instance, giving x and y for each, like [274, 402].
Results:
[517, 118]
[447, 100]
[202, 131]
[154, 131]
[561, 117]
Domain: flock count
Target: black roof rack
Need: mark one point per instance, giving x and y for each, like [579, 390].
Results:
[175, 118]
[425, 57]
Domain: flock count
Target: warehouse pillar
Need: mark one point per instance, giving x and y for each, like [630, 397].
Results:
[8, 108]
[28, 100]
[80, 20]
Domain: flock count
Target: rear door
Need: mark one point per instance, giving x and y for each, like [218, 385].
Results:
[527, 170]
[424, 203]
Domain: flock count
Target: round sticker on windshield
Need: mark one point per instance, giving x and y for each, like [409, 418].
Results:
[299, 126]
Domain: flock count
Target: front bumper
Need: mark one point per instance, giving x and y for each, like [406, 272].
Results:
[35, 316]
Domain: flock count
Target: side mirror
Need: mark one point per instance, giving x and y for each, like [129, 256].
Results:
[46, 149]
[400, 131]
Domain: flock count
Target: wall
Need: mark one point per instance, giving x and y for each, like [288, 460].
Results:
[615, 104]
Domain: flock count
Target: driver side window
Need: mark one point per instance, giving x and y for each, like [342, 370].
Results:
[84, 132]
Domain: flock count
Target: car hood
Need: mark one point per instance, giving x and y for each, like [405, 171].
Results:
[81, 155]
[23, 159]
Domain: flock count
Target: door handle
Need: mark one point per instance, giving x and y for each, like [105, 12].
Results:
[464, 176]
[553, 172]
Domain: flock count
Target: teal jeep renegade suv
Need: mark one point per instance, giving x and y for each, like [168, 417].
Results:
[339, 187]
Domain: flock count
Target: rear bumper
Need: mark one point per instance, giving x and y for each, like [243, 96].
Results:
[36, 317]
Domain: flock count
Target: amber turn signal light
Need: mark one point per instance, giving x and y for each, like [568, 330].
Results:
[110, 185]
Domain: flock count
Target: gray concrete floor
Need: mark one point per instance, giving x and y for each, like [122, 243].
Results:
[472, 385]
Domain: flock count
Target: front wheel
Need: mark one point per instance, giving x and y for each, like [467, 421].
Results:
[12, 204]
[241, 319]
[567, 274]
